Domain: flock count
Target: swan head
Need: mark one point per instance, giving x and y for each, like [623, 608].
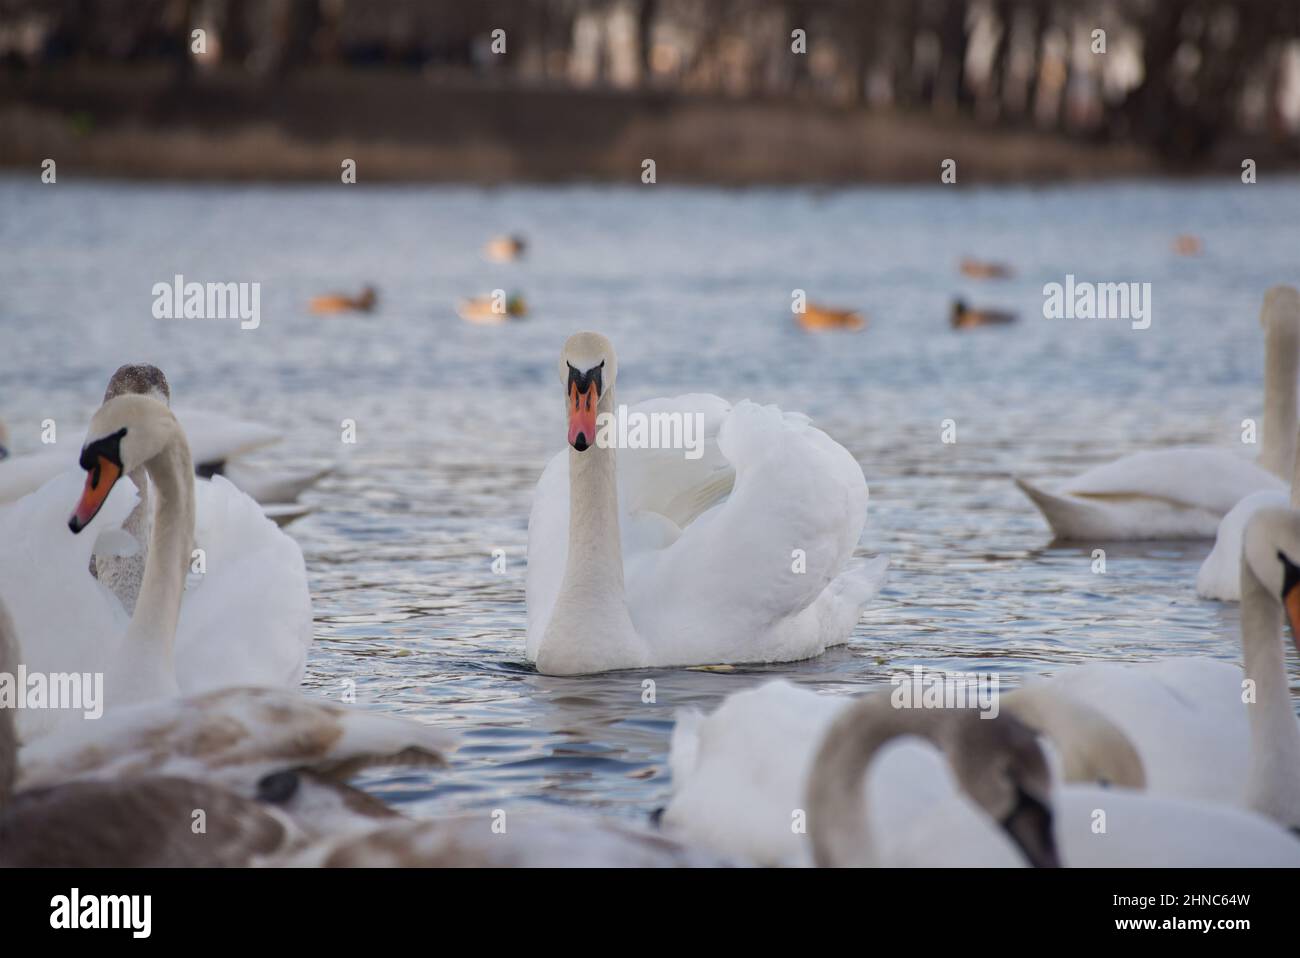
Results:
[1281, 305]
[1271, 551]
[588, 367]
[142, 378]
[125, 433]
[1001, 766]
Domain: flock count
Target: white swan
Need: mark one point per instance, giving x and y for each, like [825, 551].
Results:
[750, 779]
[119, 559]
[747, 775]
[1184, 492]
[244, 619]
[743, 554]
[1187, 717]
[219, 445]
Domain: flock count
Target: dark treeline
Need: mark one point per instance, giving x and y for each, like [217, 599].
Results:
[1176, 76]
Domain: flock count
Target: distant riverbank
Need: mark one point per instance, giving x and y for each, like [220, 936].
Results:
[406, 127]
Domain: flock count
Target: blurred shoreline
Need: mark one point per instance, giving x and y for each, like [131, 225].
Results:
[225, 125]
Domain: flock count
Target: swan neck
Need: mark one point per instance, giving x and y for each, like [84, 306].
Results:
[152, 634]
[1089, 746]
[1274, 786]
[839, 819]
[591, 629]
[1281, 345]
[595, 543]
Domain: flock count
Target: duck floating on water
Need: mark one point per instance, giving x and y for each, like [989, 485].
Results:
[983, 269]
[963, 317]
[342, 303]
[491, 310]
[817, 318]
[505, 249]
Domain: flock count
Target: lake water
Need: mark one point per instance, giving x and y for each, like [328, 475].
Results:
[455, 422]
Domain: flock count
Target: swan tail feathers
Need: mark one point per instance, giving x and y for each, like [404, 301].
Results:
[847, 595]
[1068, 516]
[861, 580]
[274, 488]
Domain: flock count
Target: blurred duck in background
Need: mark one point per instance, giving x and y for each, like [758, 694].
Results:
[1188, 245]
[492, 310]
[982, 269]
[817, 318]
[333, 303]
[505, 249]
[963, 317]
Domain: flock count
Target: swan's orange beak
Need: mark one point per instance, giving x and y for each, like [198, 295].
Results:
[582, 415]
[99, 483]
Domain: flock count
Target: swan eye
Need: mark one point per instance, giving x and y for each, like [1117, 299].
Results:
[109, 448]
[583, 382]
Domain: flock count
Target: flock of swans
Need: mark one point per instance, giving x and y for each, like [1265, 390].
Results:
[637, 558]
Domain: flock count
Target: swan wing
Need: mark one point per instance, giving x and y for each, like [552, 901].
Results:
[739, 774]
[665, 481]
[1184, 717]
[246, 619]
[20, 475]
[273, 486]
[138, 824]
[231, 737]
[1167, 493]
[1150, 831]
[215, 438]
[1206, 478]
[745, 578]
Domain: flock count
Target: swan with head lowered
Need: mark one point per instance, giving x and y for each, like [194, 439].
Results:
[782, 776]
[738, 551]
[236, 613]
[1183, 493]
[973, 791]
[1206, 729]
